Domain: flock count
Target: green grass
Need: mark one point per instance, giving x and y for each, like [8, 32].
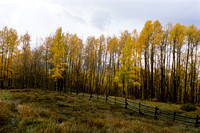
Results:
[48, 111]
[4, 95]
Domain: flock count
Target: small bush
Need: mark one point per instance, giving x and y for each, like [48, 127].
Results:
[7, 112]
[4, 95]
[26, 111]
[188, 107]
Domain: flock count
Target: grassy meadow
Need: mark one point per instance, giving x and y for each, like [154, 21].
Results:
[42, 111]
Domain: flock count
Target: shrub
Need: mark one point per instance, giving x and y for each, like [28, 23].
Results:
[7, 111]
[26, 111]
[4, 95]
[188, 107]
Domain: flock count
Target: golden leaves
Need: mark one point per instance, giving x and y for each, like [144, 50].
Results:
[57, 49]
[127, 72]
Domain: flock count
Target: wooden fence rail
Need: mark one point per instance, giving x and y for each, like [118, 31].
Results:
[143, 109]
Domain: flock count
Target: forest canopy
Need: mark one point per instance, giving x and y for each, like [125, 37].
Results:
[160, 63]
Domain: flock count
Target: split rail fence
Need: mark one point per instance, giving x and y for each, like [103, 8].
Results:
[143, 109]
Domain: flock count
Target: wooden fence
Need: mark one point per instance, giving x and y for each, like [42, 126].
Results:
[142, 109]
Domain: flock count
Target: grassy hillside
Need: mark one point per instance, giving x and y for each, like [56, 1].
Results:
[32, 110]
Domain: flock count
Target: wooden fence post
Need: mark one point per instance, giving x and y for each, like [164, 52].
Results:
[90, 95]
[115, 99]
[106, 98]
[140, 109]
[156, 112]
[174, 118]
[197, 121]
[126, 103]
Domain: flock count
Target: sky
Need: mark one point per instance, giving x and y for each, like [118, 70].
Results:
[41, 18]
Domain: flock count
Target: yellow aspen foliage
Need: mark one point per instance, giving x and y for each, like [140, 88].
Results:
[58, 50]
[157, 32]
[145, 37]
[177, 34]
[127, 72]
[12, 50]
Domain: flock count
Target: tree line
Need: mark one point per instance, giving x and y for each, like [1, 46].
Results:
[161, 63]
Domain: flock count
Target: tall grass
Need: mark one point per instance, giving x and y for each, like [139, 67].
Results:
[47, 111]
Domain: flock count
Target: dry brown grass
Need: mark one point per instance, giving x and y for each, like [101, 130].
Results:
[26, 111]
[7, 113]
[48, 111]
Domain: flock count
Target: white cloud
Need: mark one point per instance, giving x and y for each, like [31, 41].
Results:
[93, 17]
[101, 20]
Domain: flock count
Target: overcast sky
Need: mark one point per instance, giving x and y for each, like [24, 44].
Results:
[93, 17]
